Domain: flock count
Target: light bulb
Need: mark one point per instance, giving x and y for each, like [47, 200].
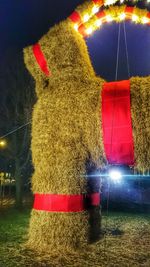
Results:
[86, 18]
[109, 18]
[95, 9]
[89, 31]
[122, 16]
[98, 23]
[134, 18]
[144, 20]
[76, 27]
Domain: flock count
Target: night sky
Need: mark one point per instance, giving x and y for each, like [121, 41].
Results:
[24, 22]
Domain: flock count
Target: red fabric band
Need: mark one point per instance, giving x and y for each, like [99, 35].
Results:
[82, 30]
[129, 11]
[75, 17]
[40, 59]
[63, 203]
[101, 14]
[94, 199]
[116, 123]
[148, 15]
[98, 2]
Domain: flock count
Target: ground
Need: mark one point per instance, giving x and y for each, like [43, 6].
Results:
[125, 242]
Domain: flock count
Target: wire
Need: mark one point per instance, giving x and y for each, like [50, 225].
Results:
[118, 49]
[126, 48]
[112, 123]
[13, 131]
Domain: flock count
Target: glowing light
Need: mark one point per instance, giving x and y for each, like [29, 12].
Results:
[115, 175]
[95, 9]
[134, 18]
[98, 23]
[76, 27]
[144, 20]
[109, 18]
[3, 143]
[109, 2]
[86, 17]
[122, 16]
[89, 31]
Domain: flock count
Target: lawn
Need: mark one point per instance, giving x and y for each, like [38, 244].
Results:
[126, 242]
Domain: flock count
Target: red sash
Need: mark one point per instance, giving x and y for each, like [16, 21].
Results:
[116, 123]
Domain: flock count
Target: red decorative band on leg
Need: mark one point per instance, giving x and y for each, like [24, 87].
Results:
[64, 203]
[94, 199]
[116, 123]
[40, 58]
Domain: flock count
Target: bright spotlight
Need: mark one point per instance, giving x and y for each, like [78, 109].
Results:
[115, 176]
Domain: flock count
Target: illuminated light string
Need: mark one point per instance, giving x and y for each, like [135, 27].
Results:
[116, 14]
[84, 12]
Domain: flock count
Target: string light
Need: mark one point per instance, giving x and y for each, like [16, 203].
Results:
[109, 18]
[95, 9]
[89, 31]
[134, 18]
[86, 18]
[98, 23]
[122, 16]
[114, 14]
[76, 27]
[144, 20]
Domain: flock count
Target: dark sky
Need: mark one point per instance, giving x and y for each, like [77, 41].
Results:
[23, 22]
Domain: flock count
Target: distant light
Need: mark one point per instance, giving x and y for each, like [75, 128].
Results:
[115, 175]
[3, 143]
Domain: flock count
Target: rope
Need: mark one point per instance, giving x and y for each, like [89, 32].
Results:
[117, 56]
[126, 48]
[108, 188]
[22, 126]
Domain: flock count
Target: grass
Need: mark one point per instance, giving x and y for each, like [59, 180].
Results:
[125, 242]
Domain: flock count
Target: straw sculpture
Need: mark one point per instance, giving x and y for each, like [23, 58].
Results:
[67, 136]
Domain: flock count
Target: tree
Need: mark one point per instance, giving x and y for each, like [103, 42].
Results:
[15, 114]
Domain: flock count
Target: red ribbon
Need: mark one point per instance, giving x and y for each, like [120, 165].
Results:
[98, 2]
[75, 17]
[40, 58]
[64, 203]
[116, 123]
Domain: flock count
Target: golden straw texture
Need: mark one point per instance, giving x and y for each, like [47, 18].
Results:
[140, 111]
[66, 134]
